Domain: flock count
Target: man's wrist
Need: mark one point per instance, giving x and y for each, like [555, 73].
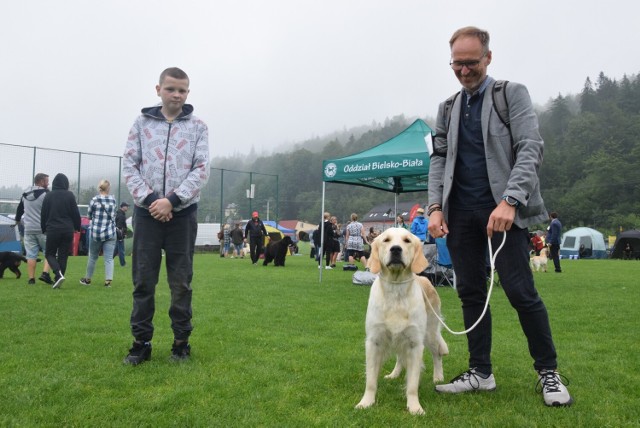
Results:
[511, 201]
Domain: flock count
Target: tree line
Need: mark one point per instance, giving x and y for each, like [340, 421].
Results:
[590, 174]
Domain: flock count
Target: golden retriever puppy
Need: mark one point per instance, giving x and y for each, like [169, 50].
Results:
[538, 263]
[399, 319]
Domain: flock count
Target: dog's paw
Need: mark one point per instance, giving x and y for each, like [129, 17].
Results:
[415, 409]
[365, 403]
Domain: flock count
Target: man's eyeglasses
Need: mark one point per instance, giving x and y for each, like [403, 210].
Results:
[458, 65]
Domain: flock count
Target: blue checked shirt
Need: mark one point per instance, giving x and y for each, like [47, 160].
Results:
[102, 213]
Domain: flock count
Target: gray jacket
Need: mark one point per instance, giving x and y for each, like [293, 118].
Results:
[512, 167]
[30, 208]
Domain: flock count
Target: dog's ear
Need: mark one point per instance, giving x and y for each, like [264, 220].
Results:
[374, 260]
[419, 262]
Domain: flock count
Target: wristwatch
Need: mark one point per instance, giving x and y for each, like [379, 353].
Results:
[511, 201]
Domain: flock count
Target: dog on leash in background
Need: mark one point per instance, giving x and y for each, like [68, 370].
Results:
[401, 316]
[10, 260]
[539, 263]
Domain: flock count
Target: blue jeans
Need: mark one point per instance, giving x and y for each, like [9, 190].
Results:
[119, 250]
[177, 238]
[467, 243]
[107, 252]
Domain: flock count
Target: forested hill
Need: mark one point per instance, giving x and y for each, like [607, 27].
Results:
[590, 174]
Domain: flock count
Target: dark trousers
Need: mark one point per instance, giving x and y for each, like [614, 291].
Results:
[554, 252]
[467, 243]
[58, 243]
[177, 238]
[255, 248]
[120, 252]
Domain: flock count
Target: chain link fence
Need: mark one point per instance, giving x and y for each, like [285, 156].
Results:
[225, 196]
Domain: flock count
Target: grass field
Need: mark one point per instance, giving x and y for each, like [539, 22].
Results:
[275, 347]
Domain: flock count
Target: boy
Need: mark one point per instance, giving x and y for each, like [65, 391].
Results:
[165, 166]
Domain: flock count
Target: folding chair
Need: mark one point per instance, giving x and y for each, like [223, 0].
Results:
[444, 273]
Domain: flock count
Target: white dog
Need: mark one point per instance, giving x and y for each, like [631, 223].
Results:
[538, 263]
[399, 319]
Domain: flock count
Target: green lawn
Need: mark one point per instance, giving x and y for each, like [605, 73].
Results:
[275, 347]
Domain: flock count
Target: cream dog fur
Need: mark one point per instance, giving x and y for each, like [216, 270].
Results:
[538, 263]
[399, 319]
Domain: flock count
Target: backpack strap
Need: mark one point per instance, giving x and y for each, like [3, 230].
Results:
[500, 103]
[448, 106]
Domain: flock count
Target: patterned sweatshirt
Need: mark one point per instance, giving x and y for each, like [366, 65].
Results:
[167, 159]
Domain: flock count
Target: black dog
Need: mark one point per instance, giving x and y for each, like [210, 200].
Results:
[10, 260]
[277, 251]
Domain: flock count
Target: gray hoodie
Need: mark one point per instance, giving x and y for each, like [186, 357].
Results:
[30, 208]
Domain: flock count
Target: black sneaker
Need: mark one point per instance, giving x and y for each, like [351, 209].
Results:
[180, 352]
[31, 281]
[139, 353]
[46, 278]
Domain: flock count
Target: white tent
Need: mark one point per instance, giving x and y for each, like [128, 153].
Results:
[583, 243]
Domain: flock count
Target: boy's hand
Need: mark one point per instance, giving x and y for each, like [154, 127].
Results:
[161, 210]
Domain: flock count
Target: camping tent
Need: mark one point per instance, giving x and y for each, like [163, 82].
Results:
[583, 242]
[398, 165]
[628, 236]
[9, 236]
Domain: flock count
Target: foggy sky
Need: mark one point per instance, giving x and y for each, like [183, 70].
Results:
[75, 73]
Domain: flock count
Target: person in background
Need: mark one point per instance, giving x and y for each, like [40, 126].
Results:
[121, 224]
[35, 240]
[226, 239]
[237, 239]
[166, 191]
[484, 184]
[554, 235]
[255, 232]
[419, 225]
[329, 243]
[59, 218]
[400, 222]
[101, 213]
[355, 239]
[536, 243]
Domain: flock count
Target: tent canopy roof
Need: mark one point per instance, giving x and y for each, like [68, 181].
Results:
[398, 165]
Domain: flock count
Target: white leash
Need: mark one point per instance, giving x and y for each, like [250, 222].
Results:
[492, 262]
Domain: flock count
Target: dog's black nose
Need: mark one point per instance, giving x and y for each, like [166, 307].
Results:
[396, 250]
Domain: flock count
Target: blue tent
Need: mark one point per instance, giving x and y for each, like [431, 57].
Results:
[584, 243]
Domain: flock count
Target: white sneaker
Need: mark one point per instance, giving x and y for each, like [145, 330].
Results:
[328, 268]
[553, 388]
[58, 282]
[468, 381]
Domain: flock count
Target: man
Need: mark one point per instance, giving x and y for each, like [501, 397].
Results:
[255, 232]
[237, 239]
[165, 166]
[121, 224]
[554, 235]
[478, 187]
[35, 240]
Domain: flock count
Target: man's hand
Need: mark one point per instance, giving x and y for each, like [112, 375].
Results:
[501, 218]
[161, 210]
[437, 226]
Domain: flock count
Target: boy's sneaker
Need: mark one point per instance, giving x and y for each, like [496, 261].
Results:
[59, 281]
[468, 381]
[180, 352]
[139, 353]
[31, 281]
[553, 388]
[45, 277]
[85, 281]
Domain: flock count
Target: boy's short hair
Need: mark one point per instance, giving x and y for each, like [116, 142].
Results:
[174, 72]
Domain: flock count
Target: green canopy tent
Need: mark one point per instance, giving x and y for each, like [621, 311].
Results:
[398, 165]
